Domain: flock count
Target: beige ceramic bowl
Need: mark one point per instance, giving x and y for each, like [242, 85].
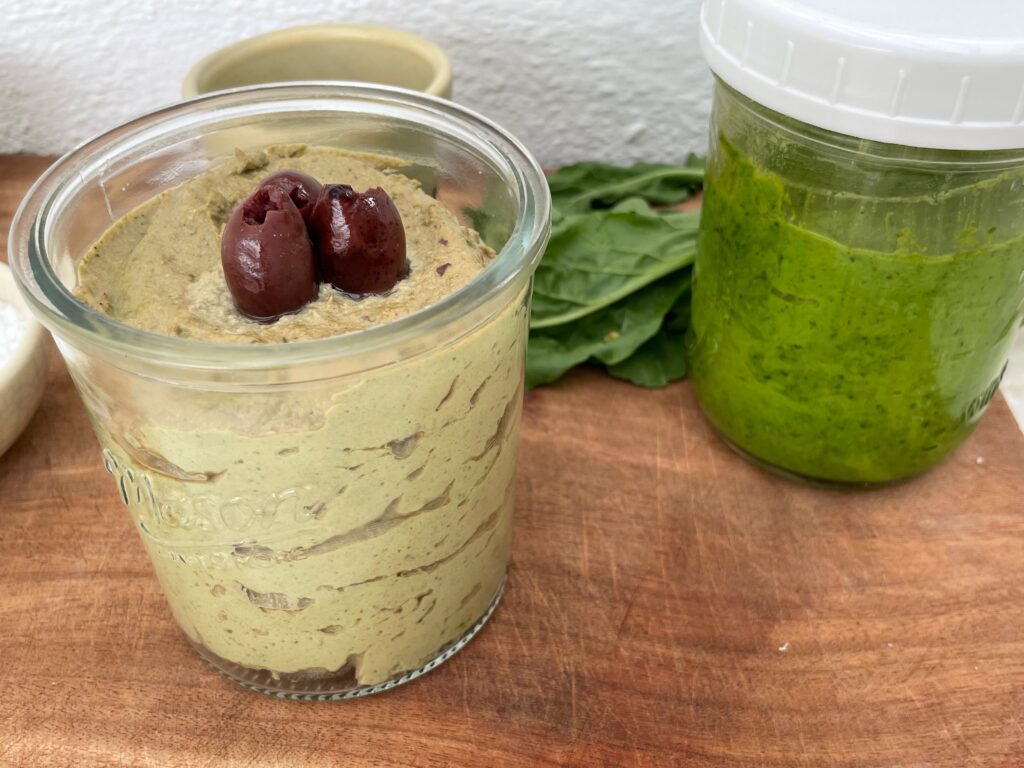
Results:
[23, 376]
[326, 52]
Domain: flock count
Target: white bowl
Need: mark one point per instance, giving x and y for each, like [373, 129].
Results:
[23, 375]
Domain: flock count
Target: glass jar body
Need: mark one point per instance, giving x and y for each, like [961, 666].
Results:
[854, 302]
[325, 537]
[327, 518]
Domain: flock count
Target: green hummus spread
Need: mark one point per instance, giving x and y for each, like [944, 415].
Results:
[158, 268]
[326, 535]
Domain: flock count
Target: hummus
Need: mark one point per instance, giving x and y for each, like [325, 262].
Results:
[325, 536]
[158, 268]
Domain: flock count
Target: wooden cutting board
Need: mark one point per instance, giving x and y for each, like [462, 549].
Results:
[669, 604]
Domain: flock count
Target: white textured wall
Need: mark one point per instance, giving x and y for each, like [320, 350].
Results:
[573, 79]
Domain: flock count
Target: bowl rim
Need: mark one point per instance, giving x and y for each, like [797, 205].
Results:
[29, 347]
[430, 52]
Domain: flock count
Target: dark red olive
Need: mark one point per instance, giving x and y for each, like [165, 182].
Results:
[358, 239]
[302, 188]
[267, 256]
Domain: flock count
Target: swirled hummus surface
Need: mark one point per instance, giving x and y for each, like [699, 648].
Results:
[158, 268]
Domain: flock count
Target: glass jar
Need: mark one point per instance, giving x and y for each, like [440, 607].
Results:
[327, 518]
[854, 301]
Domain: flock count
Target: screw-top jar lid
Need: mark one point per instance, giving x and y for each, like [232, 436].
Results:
[943, 75]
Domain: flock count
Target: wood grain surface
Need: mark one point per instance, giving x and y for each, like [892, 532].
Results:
[669, 605]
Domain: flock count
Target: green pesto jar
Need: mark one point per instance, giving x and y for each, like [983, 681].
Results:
[855, 300]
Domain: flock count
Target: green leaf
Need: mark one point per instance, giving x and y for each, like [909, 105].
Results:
[613, 286]
[492, 231]
[585, 186]
[595, 259]
[696, 161]
[662, 358]
[609, 336]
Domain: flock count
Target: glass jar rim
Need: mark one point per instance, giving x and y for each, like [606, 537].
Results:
[70, 318]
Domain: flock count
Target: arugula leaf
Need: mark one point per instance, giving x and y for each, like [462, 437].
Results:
[584, 186]
[609, 336]
[662, 358]
[596, 259]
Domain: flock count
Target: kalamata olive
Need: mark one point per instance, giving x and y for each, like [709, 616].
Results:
[302, 188]
[267, 256]
[358, 239]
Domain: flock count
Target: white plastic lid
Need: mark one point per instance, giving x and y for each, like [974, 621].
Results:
[926, 73]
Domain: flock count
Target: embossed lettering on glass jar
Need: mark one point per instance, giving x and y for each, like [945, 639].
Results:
[327, 518]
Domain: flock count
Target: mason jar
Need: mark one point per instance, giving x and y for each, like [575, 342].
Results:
[860, 272]
[327, 518]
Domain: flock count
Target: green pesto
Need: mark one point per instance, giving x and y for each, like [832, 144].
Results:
[838, 363]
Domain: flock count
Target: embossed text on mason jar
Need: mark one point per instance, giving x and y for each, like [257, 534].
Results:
[171, 513]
